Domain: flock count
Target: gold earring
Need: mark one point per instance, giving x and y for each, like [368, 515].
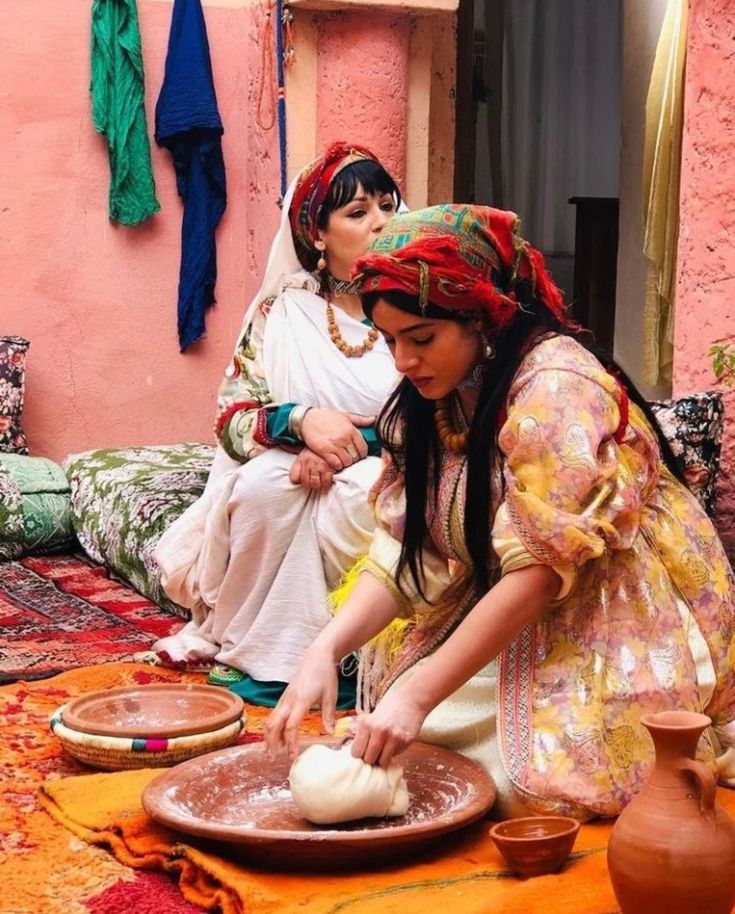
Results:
[487, 349]
[321, 264]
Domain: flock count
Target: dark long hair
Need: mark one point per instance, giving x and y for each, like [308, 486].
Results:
[407, 431]
[365, 173]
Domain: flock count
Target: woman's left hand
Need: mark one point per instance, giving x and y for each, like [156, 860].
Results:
[311, 471]
[390, 729]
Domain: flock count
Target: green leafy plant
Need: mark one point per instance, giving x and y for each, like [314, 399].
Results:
[723, 362]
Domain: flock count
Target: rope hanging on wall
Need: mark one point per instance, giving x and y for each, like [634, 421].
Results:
[277, 54]
[265, 119]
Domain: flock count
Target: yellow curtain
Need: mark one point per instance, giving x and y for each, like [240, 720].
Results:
[661, 174]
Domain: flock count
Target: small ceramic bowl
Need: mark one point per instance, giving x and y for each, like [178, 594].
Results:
[535, 845]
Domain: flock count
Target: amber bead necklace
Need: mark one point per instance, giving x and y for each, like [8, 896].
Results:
[453, 441]
[351, 352]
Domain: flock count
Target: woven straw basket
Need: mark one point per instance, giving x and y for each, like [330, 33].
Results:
[114, 753]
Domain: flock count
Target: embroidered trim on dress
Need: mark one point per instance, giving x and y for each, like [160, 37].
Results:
[226, 415]
[515, 725]
[542, 552]
[260, 430]
[380, 574]
[515, 679]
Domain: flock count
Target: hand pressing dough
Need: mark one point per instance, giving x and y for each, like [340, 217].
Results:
[329, 785]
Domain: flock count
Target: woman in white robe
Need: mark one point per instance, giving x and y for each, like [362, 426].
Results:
[285, 511]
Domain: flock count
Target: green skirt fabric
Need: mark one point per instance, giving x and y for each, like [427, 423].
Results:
[267, 694]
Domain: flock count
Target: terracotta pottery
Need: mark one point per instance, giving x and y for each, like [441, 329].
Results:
[165, 711]
[240, 799]
[535, 845]
[672, 849]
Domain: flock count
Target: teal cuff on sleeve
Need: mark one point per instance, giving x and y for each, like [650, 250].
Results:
[371, 439]
[277, 424]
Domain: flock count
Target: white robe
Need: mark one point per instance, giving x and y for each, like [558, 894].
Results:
[255, 557]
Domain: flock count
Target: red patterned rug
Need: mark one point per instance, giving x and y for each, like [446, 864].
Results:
[61, 612]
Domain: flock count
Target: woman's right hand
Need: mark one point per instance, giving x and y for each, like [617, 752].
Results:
[311, 471]
[315, 683]
[333, 435]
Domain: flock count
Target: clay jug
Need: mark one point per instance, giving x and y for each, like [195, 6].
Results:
[672, 849]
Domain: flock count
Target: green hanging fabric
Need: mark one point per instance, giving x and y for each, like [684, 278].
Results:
[118, 110]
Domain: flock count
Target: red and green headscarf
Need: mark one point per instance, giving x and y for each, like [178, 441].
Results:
[312, 188]
[462, 258]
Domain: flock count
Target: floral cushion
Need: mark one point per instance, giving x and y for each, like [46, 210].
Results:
[123, 499]
[35, 511]
[12, 380]
[11, 518]
[693, 425]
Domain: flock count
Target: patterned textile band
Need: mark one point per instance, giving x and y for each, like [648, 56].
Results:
[460, 257]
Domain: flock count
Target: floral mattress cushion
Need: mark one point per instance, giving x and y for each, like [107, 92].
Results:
[12, 382]
[123, 499]
[35, 511]
[693, 425]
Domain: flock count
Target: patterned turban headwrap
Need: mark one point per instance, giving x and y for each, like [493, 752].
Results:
[312, 188]
[462, 258]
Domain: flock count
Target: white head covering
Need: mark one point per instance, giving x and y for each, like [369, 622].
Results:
[282, 259]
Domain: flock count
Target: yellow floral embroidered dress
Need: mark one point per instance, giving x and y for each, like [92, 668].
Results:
[643, 620]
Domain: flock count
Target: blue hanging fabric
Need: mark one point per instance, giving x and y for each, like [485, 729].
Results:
[189, 126]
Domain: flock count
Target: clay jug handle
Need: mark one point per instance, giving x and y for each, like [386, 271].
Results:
[705, 777]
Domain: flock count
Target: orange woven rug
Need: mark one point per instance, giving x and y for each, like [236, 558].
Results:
[70, 867]
[43, 868]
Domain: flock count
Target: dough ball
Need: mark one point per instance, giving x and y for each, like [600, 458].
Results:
[329, 786]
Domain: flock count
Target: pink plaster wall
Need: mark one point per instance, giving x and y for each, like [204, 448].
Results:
[705, 309]
[362, 77]
[98, 301]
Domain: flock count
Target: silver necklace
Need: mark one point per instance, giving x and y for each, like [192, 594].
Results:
[342, 286]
